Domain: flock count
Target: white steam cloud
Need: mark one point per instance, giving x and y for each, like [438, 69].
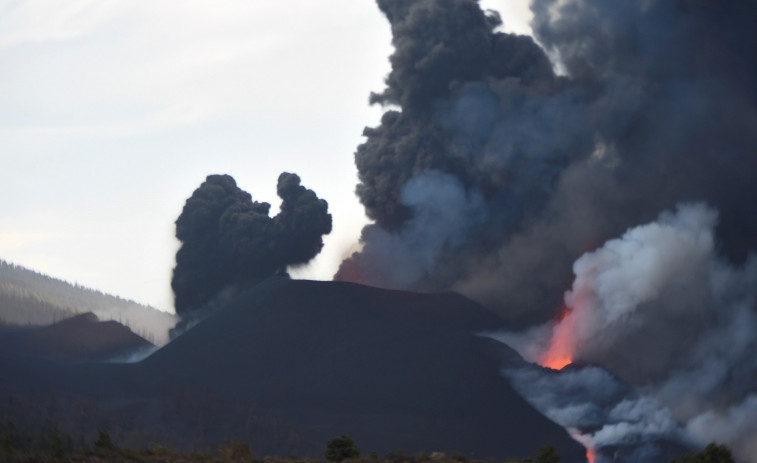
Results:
[659, 308]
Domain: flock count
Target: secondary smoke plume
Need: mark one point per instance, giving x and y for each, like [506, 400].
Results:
[229, 240]
[500, 162]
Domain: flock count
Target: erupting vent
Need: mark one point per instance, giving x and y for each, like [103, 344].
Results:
[560, 351]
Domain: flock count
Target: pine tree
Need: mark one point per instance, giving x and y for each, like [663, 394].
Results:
[341, 448]
[547, 454]
[103, 442]
[56, 444]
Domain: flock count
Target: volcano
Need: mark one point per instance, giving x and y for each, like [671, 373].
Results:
[289, 364]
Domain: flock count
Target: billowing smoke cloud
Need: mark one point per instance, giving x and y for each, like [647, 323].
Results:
[657, 106]
[665, 312]
[229, 240]
[653, 281]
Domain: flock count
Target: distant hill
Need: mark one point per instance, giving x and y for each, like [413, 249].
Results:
[30, 298]
[79, 338]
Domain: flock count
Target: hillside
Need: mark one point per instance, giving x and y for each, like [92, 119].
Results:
[30, 298]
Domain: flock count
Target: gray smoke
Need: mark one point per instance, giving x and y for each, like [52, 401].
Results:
[443, 215]
[603, 413]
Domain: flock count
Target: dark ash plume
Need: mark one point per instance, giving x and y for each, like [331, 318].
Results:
[229, 240]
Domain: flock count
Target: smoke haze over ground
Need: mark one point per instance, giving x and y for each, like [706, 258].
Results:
[628, 136]
[229, 240]
[603, 413]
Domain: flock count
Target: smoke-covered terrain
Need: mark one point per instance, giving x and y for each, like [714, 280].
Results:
[612, 156]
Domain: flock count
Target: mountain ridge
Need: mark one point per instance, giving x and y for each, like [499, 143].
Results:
[28, 297]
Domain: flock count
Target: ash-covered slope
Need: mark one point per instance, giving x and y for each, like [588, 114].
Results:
[394, 370]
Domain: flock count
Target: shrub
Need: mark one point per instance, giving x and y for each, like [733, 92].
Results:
[103, 442]
[547, 454]
[56, 444]
[237, 450]
[6, 445]
[713, 453]
[341, 448]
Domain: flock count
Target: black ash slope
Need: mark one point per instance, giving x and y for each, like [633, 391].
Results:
[395, 370]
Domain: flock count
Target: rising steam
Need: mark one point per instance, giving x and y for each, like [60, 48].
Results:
[229, 240]
[665, 312]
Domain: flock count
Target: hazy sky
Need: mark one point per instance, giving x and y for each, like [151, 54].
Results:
[112, 112]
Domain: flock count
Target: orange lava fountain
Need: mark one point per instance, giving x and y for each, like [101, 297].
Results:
[562, 346]
[590, 455]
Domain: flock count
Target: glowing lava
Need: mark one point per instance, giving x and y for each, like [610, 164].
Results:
[562, 346]
[590, 455]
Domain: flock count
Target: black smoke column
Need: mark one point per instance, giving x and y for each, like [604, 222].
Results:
[229, 240]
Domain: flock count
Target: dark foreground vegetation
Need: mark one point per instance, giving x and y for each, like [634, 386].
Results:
[19, 446]
[713, 453]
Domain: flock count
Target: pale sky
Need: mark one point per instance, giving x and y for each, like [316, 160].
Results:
[113, 111]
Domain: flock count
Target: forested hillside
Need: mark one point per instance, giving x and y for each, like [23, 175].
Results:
[30, 298]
